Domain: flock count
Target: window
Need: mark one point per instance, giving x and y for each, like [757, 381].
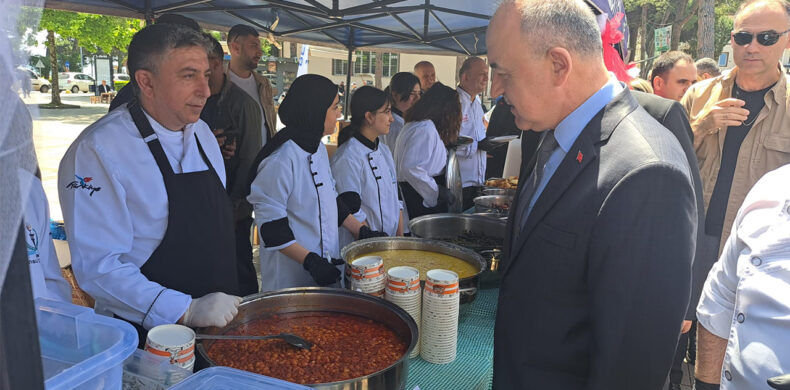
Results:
[366, 63]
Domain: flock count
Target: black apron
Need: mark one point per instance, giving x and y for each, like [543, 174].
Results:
[414, 200]
[197, 255]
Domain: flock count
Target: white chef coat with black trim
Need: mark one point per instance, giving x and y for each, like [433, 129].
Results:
[371, 174]
[115, 208]
[471, 161]
[419, 156]
[45, 277]
[391, 138]
[295, 189]
[746, 298]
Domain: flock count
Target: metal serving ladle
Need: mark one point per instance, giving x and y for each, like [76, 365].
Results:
[289, 338]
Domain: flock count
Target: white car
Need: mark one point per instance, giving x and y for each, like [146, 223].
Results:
[37, 82]
[75, 82]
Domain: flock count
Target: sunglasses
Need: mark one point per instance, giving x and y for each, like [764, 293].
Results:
[765, 38]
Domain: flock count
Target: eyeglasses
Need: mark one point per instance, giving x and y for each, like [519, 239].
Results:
[765, 38]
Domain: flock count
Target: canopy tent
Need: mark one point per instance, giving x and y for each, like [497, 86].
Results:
[448, 26]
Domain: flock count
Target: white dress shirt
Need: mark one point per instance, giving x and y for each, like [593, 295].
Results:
[371, 174]
[391, 138]
[419, 156]
[286, 187]
[471, 161]
[115, 208]
[746, 298]
[45, 277]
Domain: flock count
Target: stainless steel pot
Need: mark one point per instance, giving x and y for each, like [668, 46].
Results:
[498, 191]
[449, 226]
[493, 204]
[312, 299]
[468, 286]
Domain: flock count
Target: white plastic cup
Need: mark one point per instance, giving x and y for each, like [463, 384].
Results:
[174, 341]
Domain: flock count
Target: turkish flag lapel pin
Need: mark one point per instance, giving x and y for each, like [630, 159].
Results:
[579, 157]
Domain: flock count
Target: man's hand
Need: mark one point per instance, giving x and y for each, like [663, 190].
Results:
[727, 112]
[686, 327]
[229, 150]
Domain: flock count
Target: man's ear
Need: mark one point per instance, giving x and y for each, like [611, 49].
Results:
[145, 81]
[561, 64]
[658, 83]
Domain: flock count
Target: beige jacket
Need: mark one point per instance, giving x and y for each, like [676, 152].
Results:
[267, 100]
[766, 147]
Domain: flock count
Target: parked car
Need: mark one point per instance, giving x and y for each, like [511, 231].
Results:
[120, 80]
[75, 82]
[37, 82]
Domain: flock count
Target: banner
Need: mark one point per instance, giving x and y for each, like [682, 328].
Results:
[663, 39]
[303, 60]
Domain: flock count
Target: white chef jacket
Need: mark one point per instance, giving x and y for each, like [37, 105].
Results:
[286, 187]
[746, 298]
[371, 174]
[115, 208]
[471, 161]
[45, 277]
[419, 156]
[391, 138]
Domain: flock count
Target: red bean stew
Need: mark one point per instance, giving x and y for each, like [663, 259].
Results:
[345, 347]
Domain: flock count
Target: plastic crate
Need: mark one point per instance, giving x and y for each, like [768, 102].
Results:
[226, 378]
[81, 349]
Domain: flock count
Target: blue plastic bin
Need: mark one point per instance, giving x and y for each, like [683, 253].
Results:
[226, 378]
[81, 349]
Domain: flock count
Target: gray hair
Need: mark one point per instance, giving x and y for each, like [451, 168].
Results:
[782, 3]
[707, 65]
[569, 24]
[153, 42]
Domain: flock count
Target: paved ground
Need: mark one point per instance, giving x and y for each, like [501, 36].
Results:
[54, 130]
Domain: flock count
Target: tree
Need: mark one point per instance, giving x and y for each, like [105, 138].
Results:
[706, 22]
[95, 33]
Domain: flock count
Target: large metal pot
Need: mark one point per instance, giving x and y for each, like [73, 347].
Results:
[312, 299]
[450, 226]
[468, 286]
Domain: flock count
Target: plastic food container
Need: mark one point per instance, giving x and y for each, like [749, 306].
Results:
[81, 349]
[226, 378]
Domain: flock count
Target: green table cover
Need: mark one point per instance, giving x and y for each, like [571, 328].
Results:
[473, 367]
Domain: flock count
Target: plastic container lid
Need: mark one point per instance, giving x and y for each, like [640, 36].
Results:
[81, 349]
[226, 378]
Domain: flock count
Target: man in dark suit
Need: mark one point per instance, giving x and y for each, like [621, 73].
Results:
[597, 274]
[103, 87]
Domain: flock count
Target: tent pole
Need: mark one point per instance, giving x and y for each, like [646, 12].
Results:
[347, 93]
[149, 14]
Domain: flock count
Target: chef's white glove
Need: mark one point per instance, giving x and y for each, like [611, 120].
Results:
[215, 309]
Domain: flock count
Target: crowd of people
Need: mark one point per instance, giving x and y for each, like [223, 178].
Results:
[647, 211]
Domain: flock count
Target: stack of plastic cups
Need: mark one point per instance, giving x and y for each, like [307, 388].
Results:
[403, 289]
[440, 304]
[367, 275]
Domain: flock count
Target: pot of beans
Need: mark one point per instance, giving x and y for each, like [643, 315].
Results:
[424, 255]
[359, 341]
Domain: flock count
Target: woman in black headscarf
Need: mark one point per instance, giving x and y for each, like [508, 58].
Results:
[293, 193]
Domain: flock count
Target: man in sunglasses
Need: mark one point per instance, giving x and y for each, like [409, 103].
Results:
[741, 126]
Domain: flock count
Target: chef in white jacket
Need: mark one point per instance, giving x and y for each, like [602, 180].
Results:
[45, 277]
[421, 154]
[292, 191]
[472, 158]
[405, 91]
[363, 164]
[149, 224]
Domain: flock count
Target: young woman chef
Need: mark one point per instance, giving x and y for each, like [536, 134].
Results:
[421, 154]
[405, 91]
[363, 164]
[293, 193]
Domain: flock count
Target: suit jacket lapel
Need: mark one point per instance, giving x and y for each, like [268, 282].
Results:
[598, 130]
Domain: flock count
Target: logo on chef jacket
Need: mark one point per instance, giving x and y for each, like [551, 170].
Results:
[466, 117]
[32, 241]
[83, 183]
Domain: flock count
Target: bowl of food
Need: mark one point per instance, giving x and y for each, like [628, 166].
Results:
[498, 191]
[499, 204]
[502, 182]
[359, 341]
[424, 255]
